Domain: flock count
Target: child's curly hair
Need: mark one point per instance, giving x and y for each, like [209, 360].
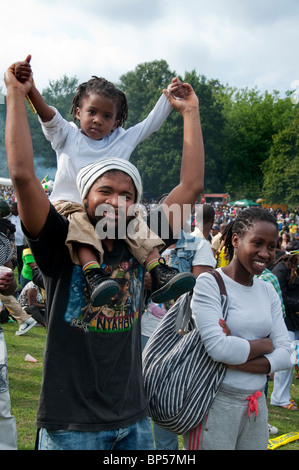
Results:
[102, 87]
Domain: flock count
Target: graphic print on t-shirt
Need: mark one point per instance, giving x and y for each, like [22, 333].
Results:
[117, 315]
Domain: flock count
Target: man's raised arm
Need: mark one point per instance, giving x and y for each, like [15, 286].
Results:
[191, 183]
[33, 203]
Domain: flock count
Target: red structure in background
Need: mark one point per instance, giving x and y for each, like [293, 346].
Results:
[221, 198]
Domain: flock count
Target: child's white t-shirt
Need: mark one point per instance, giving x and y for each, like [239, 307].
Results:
[74, 150]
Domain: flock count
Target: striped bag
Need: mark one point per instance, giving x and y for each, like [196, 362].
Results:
[181, 380]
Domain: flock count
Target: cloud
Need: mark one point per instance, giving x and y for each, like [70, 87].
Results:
[118, 12]
[242, 43]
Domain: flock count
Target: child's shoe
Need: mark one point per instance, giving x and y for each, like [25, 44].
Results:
[168, 283]
[101, 288]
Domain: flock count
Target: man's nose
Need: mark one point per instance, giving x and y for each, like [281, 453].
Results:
[113, 200]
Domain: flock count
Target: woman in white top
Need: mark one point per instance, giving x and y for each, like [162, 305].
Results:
[254, 343]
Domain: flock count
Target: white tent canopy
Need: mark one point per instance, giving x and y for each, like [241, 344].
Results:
[5, 182]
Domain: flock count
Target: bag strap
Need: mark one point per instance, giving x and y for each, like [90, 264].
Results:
[186, 312]
[223, 292]
[185, 309]
[220, 281]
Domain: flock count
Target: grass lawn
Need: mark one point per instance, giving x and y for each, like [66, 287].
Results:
[25, 381]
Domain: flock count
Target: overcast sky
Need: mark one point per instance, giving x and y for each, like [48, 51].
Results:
[243, 43]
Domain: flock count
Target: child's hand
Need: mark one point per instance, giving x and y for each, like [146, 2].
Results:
[22, 70]
[189, 103]
[177, 89]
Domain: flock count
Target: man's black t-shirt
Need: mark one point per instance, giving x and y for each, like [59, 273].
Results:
[92, 377]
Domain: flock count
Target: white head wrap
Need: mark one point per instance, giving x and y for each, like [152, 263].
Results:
[90, 173]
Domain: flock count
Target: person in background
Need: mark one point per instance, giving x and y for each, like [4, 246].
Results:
[204, 221]
[193, 251]
[287, 272]
[285, 240]
[14, 308]
[28, 265]
[32, 300]
[216, 242]
[8, 228]
[8, 429]
[222, 256]
[268, 276]
[19, 236]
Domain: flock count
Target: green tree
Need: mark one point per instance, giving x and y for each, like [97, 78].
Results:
[281, 169]
[250, 141]
[157, 157]
[213, 125]
[251, 121]
[143, 86]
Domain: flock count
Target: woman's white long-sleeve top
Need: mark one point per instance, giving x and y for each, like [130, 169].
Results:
[254, 312]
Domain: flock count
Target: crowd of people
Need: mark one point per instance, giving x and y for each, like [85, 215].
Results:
[95, 312]
[198, 250]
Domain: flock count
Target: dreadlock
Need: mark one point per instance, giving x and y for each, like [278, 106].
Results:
[244, 222]
[102, 87]
[290, 258]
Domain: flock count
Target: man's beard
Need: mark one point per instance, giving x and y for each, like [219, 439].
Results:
[108, 230]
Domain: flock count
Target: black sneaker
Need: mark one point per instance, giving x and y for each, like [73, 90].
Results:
[168, 283]
[101, 288]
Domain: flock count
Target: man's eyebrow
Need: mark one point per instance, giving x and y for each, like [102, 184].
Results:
[106, 186]
[128, 193]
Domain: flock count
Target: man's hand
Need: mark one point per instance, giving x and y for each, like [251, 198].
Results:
[12, 82]
[23, 70]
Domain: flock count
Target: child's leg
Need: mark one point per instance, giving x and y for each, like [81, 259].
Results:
[101, 287]
[87, 256]
[167, 282]
[86, 250]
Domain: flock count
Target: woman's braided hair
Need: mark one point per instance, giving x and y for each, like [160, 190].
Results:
[102, 87]
[244, 222]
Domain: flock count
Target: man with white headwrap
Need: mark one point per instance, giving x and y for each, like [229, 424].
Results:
[92, 395]
[167, 283]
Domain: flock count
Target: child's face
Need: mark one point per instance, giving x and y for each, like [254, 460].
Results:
[97, 116]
